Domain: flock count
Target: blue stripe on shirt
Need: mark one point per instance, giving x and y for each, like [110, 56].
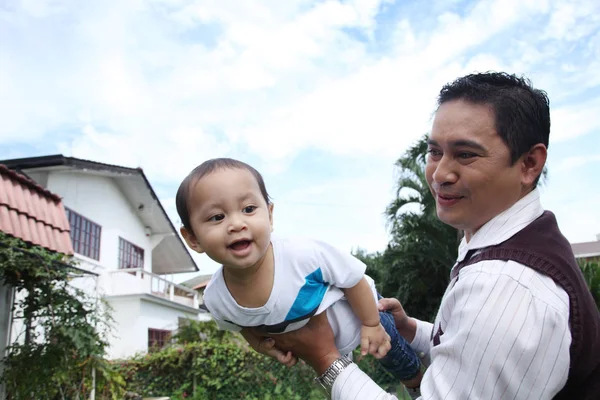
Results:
[310, 296]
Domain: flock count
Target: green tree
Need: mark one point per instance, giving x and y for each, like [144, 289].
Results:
[415, 266]
[63, 342]
[374, 263]
[193, 331]
[591, 274]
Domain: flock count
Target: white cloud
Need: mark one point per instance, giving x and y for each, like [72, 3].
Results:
[577, 220]
[281, 77]
[573, 20]
[268, 80]
[569, 122]
[165, 157]
[356, 204]
[574, 162]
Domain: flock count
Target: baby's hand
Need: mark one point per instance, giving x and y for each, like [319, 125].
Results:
[374, 340]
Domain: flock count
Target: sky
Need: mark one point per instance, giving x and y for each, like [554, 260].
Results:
[320, 96]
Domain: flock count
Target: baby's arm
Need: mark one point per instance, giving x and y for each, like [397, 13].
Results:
[374, 339]
[268, 348]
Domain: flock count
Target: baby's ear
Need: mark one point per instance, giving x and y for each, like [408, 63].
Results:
[271, 215]
[191, 240]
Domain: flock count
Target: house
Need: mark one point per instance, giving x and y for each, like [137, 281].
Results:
[121, 232]
[587, 251]
[198, 283]
[35, 215]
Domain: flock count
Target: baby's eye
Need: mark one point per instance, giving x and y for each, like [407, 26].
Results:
[216, 218]
[249, 209]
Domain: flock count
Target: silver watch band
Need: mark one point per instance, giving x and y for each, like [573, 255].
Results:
[329, 376]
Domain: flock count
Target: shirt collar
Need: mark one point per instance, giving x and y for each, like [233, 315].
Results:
[504, 225]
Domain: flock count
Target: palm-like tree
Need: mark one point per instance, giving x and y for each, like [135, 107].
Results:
[416, 264]
[412, 176]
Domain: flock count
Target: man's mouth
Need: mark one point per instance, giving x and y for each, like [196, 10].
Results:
[448, 200]
[449, 196]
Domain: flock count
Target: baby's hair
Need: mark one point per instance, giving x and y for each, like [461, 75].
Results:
[206, 168]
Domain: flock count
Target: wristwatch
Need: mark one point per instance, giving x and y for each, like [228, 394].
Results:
[329, 376]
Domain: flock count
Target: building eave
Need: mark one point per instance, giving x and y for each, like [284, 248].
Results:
[115, 171]
[587, 255]
[158, 300]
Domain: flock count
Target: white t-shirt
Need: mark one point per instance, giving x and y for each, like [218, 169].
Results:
[309, 276]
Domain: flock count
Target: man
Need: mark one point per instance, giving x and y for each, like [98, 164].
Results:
[517, 320]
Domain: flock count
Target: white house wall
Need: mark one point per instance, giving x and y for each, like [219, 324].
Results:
[129, 336]
[157, 316]
[99, 199]
[133, 316]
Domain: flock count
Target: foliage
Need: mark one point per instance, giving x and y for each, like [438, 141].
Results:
[192, 331]
[374, 263]
[215, 366]
[62, 340]
[591, 274]
[219, 365]
[415, 266]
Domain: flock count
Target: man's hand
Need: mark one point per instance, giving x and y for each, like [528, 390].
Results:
[374, 340]
[407, 327]
[313, 343]
[266, 346]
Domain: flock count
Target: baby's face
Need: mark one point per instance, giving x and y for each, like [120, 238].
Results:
[230, 218]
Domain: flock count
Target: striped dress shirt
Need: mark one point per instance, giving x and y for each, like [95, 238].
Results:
[502, 330]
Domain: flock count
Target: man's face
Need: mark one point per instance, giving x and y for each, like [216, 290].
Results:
[468, 167]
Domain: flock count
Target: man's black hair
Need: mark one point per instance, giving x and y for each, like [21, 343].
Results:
[522, 112]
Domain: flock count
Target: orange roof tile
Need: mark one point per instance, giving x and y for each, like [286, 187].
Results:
[32, 213]
[201, 285]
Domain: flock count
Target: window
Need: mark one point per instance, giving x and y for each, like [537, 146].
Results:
[85, 235]
[158, 338]
[130, 256]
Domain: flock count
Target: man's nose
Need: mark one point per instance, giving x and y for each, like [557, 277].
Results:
[445, 171]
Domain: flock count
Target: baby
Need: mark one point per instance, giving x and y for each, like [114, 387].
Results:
[276, 285]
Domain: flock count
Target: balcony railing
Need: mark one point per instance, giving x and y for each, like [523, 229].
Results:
[139, 281]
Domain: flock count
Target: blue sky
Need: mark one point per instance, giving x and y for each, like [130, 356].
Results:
[321, 96]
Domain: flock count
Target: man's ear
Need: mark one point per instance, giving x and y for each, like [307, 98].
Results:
[532, 164]
[191, 240]
[271, 215]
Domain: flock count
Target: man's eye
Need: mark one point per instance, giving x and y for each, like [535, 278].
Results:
[434, 152]
[249, 209]
[216, 218]
[466, 156]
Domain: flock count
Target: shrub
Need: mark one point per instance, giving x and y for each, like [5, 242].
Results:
[205, 363]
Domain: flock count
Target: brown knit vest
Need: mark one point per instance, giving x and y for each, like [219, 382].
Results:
[542, 247]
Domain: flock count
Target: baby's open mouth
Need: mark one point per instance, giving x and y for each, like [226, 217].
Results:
[239, 245]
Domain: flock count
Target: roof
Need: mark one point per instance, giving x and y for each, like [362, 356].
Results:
[586, 249]
[170, 255]
[32, 213]
[201, 285]
[197, 282]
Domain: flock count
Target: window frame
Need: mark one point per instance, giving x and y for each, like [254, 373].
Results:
[85, 234]
[158, 338]
[128, 249]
